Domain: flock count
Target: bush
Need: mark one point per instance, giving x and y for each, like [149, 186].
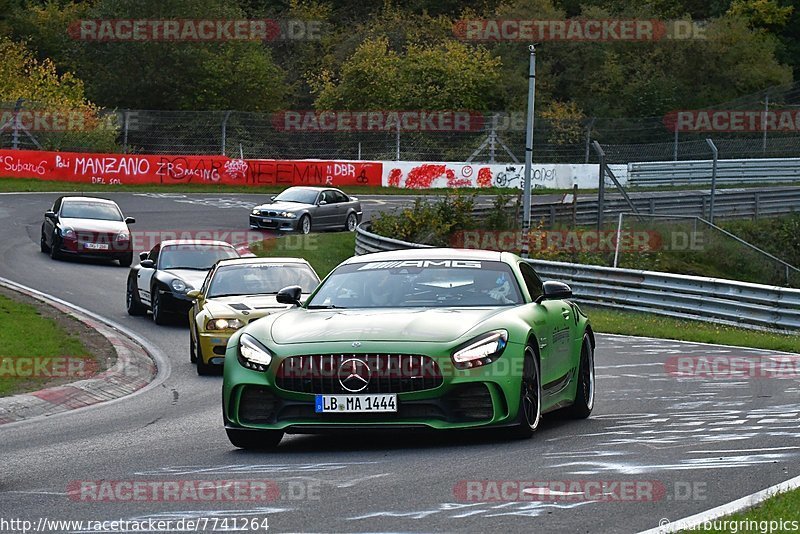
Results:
[429, 222]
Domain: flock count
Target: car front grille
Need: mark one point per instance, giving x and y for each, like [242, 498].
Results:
[465, 403]
[265, 213]
[388, 373]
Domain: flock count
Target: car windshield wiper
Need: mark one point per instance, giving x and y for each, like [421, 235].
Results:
[325, 307]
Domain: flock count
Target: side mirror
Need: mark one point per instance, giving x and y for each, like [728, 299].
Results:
[129, 220]
[272, 198]
[289, 295]
[193, 294]
[147, 264]
[142, 256]
[50, 215]
[555, 291]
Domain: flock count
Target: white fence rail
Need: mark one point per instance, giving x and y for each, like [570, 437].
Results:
[729, 171]
[728, 204]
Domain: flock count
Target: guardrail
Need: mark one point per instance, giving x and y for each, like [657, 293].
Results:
[367, 242]
[729, 171]
[728, 203]
[690, 297]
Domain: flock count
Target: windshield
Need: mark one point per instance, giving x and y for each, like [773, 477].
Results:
[90, 210]
[429, 283]
[298, 194]
[259, 279]
[200, 257]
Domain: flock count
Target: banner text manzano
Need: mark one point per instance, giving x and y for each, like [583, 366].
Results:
[139, 169]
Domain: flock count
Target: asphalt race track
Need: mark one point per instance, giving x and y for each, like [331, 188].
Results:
[686, 444]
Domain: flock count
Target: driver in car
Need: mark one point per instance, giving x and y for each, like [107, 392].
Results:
[379, 289]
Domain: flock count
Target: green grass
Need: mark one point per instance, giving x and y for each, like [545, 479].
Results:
[9, 185]
[323, 251]
[26, 335]
[785, 506]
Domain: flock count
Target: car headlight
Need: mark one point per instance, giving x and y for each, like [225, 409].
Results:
[224, 324]
[179, 286]
[287, 215]
[255, 212]
[123, 236]
[68, 233]
[482, 350]
[253, 354]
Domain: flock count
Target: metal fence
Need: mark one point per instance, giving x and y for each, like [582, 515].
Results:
[499, 137]
[728, 203]
[681, 241]
[690, 297]
[734, 171]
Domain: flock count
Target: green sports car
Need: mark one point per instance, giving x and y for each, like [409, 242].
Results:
[421, 338]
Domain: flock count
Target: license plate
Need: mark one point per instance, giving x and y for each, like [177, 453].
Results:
[355, 403]
[96, 246]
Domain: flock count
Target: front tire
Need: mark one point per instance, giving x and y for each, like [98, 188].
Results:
[254, 439]
[126, 259]
[530, 402]
[132, 302]
[192, 350]
[159, 316]
[351, 223]
[43, 243]
[584, 394]
[55, 253]
[203, 368]
[304, 225]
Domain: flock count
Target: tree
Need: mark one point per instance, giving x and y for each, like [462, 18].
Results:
[159, 75]
[41, 89]
[447, 76]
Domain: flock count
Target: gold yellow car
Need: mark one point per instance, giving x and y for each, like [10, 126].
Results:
[236, 292]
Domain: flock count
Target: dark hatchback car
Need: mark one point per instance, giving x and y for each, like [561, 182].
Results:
[164, 276]
[87, 226]
[303, 209]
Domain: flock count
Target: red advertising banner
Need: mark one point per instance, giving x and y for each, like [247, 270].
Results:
[135, 169]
